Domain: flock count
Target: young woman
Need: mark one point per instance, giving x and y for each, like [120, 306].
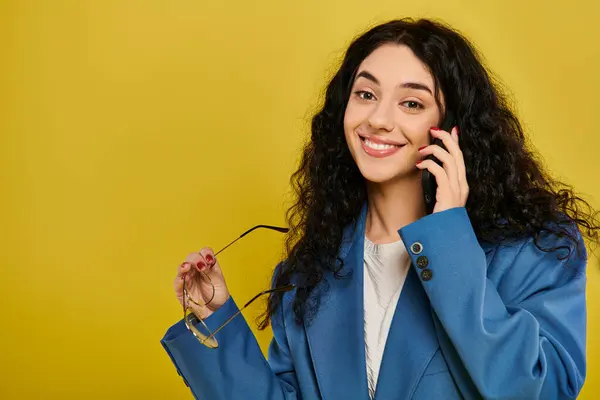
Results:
[482, 298]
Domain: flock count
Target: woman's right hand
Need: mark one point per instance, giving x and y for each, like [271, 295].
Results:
[198, 286]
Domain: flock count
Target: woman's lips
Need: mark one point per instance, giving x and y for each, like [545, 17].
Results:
[378, 147]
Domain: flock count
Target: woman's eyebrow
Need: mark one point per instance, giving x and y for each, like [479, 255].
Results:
[407, 85]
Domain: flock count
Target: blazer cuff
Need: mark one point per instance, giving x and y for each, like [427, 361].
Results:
[213, 322]
[444, 248]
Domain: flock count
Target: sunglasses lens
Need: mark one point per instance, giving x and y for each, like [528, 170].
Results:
[203, 334]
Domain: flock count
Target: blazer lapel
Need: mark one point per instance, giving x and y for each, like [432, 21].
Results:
[336, 333]
[336, 336]
[411, 344]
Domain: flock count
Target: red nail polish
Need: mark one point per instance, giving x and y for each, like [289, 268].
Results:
[456, 130]
[421, 148]
[419, 162]
[209, 259]
[201, 265]
[435, 128]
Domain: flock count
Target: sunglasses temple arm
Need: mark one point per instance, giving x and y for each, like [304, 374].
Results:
[271, 227]
[285, 288]
[225, 323]
[238, 313]
[228, 245]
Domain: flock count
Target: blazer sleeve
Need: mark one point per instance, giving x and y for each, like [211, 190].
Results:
[522, 337]
[236, 369]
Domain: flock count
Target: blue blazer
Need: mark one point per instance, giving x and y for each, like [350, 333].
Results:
[473, 321]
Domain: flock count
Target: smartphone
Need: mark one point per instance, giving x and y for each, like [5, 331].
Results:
[427, 179]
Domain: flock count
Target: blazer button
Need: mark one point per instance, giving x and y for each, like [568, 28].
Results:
[416, 248]
[426, 274]
[422, 262]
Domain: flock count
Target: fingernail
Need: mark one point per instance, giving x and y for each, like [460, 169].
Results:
[435, 128]
[456, 130]
[201, 265]
[421, 148]
[419, 162]
[209, 259]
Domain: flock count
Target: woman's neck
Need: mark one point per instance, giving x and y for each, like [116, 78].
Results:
[392, 206]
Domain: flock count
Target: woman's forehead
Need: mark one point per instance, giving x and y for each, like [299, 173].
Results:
[392, 64]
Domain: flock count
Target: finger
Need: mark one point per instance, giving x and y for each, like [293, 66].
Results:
[454, 134]
[184, 268]
[209, 256]
[197, 261]
[178, 286]
[438, 172]
[460, 164]
[449, 162]
[450, 144]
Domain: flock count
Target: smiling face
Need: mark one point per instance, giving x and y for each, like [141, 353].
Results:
[390, 111]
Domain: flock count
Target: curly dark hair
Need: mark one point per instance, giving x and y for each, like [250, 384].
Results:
[511, 196]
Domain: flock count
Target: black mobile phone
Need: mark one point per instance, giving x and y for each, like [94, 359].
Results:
[427, 179]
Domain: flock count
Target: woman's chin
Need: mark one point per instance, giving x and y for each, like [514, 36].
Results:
[382, 176]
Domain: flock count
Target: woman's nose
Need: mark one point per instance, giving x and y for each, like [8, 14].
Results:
[381, 118]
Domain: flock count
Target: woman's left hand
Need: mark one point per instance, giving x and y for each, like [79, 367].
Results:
[451, 179]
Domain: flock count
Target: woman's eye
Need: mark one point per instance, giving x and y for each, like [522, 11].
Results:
[363, 95]
[412, 104]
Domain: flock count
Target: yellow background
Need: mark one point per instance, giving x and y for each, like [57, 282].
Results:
[135, 132]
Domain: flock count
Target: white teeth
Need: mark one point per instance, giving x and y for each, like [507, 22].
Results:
[378, 146]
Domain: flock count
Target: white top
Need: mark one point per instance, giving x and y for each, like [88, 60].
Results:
[386, 266]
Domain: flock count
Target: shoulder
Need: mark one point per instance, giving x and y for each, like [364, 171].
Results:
[531, 264]
[278, 283]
